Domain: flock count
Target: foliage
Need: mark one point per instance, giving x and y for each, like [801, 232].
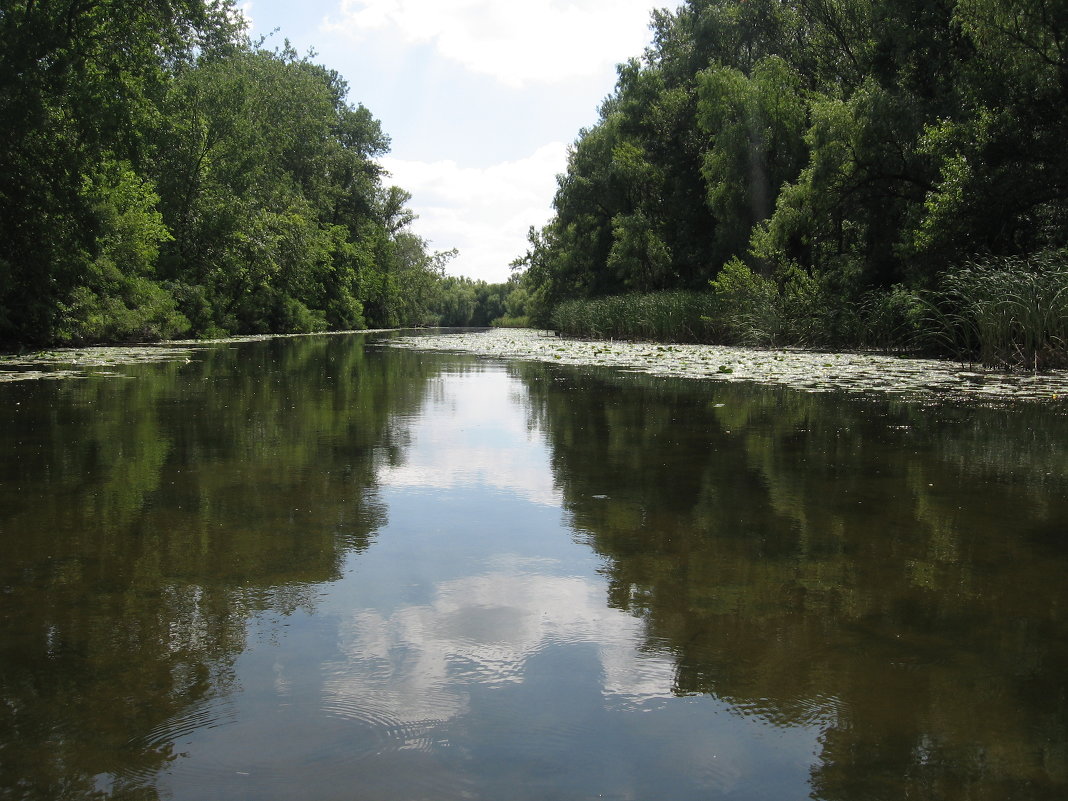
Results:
[160, 175]
[463, 302]
[848, 155]
[754, 126]
[1008, 312]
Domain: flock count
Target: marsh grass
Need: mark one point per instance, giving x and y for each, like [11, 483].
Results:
[744, 308]
[1007, 312]
[505, 321]
[661, 317]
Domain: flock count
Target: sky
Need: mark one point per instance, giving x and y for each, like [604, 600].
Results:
[481, 99]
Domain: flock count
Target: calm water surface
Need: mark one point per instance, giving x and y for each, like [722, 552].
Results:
[323, 568]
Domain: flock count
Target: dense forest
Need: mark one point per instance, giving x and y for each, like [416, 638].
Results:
[161, 175]
[819, 172]
[825, 172]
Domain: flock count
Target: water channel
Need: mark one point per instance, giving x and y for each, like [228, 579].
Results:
[326, 568]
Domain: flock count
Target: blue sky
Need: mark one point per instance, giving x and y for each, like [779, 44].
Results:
[480, 97]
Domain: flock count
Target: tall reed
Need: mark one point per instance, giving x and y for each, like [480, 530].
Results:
[1007, 312]
[660, 316]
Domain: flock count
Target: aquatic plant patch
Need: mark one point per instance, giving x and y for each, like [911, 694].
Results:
[80, 362]
[926, 379]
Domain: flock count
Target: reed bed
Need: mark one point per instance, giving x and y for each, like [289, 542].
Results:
[674, 316]
[1009, 312]
[1006, 313]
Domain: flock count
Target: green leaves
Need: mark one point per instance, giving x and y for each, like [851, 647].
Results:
[152, 159]
[826, 159]
[754, 127]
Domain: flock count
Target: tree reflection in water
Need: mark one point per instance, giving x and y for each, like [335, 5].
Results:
[883, 576]
[889, 571]
[146, 519]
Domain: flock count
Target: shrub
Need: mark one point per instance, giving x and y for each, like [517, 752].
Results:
[748, 304]
[792, 308]
[291, 316]
[118, 308]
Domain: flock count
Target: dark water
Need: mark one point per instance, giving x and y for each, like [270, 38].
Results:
[324, 569]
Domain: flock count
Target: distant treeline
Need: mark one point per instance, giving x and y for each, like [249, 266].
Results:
[834, 172]
[161, 176]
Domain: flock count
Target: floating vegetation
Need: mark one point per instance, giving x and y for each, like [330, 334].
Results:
[923, 379]
[82, 362]
[239, 338]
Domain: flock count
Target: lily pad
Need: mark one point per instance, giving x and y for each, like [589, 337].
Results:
[929, 380]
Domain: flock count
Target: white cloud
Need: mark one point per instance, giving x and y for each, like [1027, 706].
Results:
[484, 212]
[517, 43]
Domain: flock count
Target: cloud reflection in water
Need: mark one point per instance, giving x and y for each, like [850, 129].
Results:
[486, 442]
[419, 662]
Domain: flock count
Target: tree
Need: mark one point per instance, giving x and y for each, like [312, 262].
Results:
[79, 83]
[754, 125]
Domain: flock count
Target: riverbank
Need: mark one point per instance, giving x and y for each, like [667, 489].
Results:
[57, 363]
[930, 380]
[925, 380]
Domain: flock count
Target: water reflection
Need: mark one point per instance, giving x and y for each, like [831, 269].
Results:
[317, 568]
[476, 438]
[144, 520]
[889, 570]
[484, 629]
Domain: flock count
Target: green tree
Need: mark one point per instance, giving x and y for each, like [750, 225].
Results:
[754, 125]
[79, 88]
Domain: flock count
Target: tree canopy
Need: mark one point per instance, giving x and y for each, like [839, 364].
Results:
[860, 145]
[161, 175]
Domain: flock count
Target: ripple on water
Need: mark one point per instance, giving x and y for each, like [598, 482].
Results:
[818, 710]
[282, 756]
[385, 732]
[486, 666]
[180, 728]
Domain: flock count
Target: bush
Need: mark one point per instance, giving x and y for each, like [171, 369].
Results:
[118, 308]
[797, 308]
[749, 304]
[791, 308]
[293, 317]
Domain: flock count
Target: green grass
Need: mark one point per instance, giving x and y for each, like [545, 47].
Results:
[1008, 312]
[659, 317]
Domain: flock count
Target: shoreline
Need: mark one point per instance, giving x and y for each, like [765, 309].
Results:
[922, 380]
[919, 379]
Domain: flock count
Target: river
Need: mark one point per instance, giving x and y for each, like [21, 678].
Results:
[328, 568]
